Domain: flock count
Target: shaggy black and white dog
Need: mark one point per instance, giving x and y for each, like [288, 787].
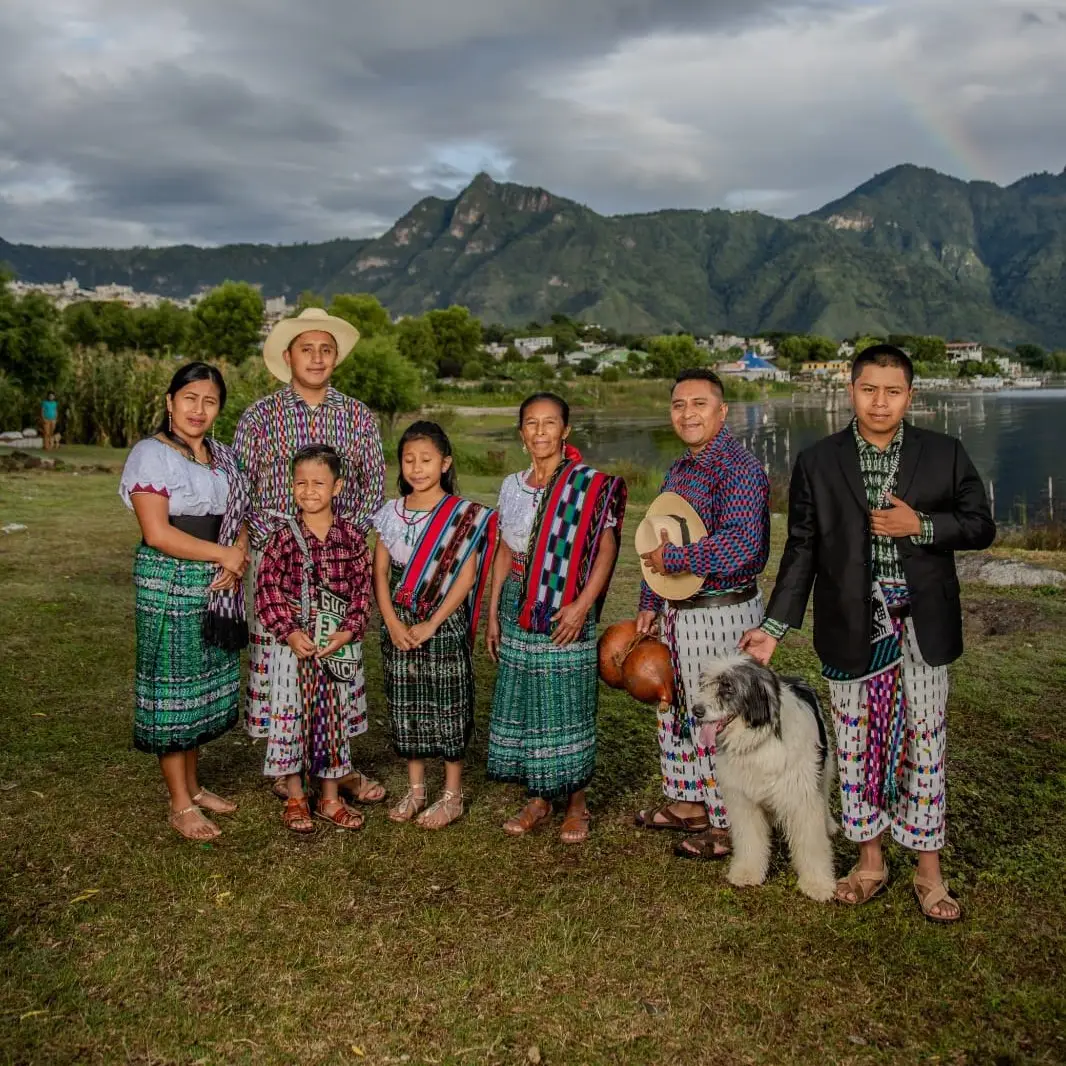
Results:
[773, 762]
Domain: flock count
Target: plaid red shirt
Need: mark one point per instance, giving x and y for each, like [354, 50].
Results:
[729, 489]
[342, 564]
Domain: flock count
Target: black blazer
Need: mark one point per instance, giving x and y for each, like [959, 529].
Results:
[829, 545]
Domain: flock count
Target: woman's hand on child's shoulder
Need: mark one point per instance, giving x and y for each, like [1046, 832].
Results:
[303, 647]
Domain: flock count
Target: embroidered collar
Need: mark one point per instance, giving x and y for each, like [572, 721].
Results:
[864, 445]
[291, 398]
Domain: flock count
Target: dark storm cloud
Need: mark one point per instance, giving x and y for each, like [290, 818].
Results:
[205, 121]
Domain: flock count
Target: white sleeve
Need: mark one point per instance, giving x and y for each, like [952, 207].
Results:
[149, 468]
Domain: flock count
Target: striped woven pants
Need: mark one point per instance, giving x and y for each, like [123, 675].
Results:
[695, 635]
[916, 820]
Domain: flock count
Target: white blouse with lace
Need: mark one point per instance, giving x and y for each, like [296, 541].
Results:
[189, 487]
[399, 528]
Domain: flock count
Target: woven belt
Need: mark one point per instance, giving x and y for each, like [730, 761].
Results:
[518, 566]
[200, 526]
[723, 599]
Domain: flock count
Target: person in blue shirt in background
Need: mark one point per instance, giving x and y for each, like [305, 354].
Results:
[49, 414]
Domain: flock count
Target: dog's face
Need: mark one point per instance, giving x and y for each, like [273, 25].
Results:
[737, 689]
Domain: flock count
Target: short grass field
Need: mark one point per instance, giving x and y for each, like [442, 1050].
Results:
[123, 943]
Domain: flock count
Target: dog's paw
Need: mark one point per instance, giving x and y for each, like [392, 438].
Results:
[818, 888]
[745, 876]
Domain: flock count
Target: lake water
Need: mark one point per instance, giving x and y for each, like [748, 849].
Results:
[1016, 438]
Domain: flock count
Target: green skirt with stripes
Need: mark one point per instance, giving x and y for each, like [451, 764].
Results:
[542, 730]
[187, 692]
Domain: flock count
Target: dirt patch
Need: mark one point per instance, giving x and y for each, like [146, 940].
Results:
[1003, 617]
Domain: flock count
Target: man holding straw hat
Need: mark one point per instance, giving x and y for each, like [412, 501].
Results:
[702, 545]
[303, 352]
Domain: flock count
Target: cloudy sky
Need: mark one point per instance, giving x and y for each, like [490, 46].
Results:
[131, 122]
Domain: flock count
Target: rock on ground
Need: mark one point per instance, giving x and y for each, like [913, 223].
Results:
[1006, 573]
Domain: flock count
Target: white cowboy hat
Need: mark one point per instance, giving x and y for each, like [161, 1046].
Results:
[288, 329]
[683, 525]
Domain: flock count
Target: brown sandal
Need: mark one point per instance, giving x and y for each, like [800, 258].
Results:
[575, 827]
[343, 817]
[930, 893]
[527, 819]
[176, 816]
[709, 846]
[297, 816]
[862, 884]
[662, 817]
[362, 789]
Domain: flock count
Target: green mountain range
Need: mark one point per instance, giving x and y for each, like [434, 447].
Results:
[910, 251]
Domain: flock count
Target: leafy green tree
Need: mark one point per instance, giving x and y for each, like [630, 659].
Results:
[227, 323]
[32, 352]
[306, 299]
[927, 349]
[458, 336]
[363, 311]
[512, 355]
[381, 377]
[162, 328]
[80, 325]
[821, 349]
[587, 366]
[473, 370]
[417, 343]
[868, 341]
[668, 356]
[611, 374]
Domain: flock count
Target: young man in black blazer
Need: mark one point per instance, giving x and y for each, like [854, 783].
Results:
[875, 515]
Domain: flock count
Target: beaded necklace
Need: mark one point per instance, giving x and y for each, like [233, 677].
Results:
[410, 533]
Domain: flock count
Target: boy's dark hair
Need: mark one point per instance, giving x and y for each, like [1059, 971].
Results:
[551, 397]
[700, 373]
[320, 453]
[436, 436]
[883, 355]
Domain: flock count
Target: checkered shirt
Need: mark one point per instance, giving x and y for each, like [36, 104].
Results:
[729, 489]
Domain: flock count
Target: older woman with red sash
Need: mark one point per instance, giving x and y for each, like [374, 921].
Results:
[560, 524]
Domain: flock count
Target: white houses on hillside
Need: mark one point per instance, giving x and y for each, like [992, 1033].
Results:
[965, 352]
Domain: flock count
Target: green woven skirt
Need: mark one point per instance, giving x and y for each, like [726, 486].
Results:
[187, 692]
[430, 690]
[542, 731]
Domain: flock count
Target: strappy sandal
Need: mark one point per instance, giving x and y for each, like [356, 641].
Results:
[297, 816]
[221, 806]
[862, 884]
[343, 816]
[175, 815]
[663, 818]
[711, 845]
[413, 802]
[930, 893]
[527, 819]
[447, 804]
[575, 827]
[362, 789]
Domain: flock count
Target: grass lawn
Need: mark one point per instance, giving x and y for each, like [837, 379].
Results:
[123, 943]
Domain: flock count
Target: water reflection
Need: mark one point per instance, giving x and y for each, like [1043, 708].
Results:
[1016, 438]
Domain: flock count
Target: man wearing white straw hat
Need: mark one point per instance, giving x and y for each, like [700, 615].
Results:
[303, 352]
[703, 543]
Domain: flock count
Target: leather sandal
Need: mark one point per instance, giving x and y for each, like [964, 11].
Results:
[575, 827]
[175, 815]
[215, 803]
[929, 894]
[411, 804]
[361, 789]
[297, 816]
[863, 884]
[662, 817]
[527, 819]
[709, 846]
[450, 804]
[343, 816]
